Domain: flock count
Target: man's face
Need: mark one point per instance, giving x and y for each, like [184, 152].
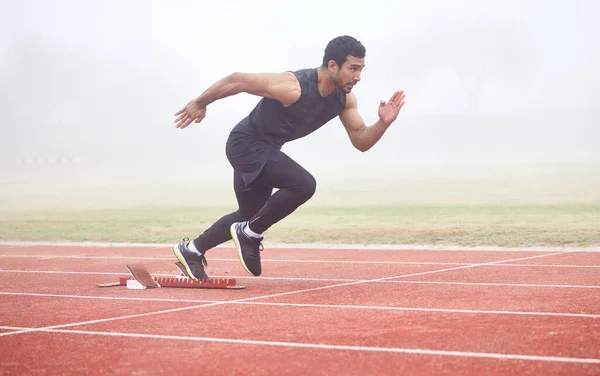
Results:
[349, 74]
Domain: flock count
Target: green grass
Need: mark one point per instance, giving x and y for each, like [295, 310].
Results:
[509, 206]
[472, 225]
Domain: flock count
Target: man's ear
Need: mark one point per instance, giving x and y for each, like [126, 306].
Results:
[332, 67]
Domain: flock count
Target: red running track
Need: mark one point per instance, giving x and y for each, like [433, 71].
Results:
[317, 311]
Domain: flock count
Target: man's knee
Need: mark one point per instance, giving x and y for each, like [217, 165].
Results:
[242, 216]
[308, 187]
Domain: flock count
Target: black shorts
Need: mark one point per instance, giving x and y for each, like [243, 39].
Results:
[248, 154]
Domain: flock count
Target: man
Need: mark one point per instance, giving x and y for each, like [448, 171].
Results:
[293, 105]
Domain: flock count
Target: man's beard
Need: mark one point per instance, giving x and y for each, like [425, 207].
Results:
[347, 86]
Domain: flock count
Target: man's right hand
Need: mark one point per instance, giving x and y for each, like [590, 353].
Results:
[283, 87]
[192, 112]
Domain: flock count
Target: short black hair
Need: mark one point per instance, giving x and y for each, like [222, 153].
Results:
[340, 47]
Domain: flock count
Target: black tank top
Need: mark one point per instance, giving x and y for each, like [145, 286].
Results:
[279, 124]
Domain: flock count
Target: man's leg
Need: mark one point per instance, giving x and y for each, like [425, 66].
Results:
[191, 254]
[296, 186]
[250, 201]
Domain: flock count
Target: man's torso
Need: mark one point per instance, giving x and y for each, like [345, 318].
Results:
[278, 124]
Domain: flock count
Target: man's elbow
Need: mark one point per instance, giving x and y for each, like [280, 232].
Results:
[361, 147]
[236, 80]
[235, 76]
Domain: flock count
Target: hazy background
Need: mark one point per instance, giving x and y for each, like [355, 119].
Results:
[505, 91]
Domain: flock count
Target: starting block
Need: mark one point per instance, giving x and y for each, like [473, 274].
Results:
[141, 279]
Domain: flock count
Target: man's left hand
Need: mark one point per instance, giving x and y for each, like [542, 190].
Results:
[388, 111]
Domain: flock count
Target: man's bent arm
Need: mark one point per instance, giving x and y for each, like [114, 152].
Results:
[362, 137]
[283, 87]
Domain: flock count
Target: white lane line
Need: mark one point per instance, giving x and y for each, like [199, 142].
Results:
[463, 267]
[149, 258]
[552, 265]
[321, 346]
[236, 260]
[12, 328]
[266, 296]
[419, 309]
[94, 297]
[319, 246]
[305, 279]
[494, 284]
[306, 305]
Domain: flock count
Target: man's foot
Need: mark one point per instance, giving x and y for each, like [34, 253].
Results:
[193, 262]
[248, 248]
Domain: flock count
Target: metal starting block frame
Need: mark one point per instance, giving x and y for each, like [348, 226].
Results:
[141, 279]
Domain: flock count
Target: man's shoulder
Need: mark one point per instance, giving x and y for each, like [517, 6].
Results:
[304, 72]
[350, 97]
[346, 98]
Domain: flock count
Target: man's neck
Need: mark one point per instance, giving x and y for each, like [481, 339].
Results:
[326, 85]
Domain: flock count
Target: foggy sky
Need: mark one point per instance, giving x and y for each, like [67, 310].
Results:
[93, 86]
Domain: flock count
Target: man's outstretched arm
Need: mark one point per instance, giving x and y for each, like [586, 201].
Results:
[283, 87]
[364, 137]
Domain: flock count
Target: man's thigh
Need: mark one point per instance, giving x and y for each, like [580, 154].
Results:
[283, 172]
[250, 198]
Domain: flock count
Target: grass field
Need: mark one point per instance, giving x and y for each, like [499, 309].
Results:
[515, 208]
[473, 225]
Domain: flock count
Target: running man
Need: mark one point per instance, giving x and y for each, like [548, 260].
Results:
[293, 105]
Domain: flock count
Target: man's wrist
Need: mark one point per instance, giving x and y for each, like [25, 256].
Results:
[383, 123]
[201, 101]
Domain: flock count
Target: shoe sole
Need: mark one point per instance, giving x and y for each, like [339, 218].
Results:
[182, 261]
[236, 241]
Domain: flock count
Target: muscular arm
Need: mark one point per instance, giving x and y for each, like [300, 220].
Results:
[283, 87]
[362, 137]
